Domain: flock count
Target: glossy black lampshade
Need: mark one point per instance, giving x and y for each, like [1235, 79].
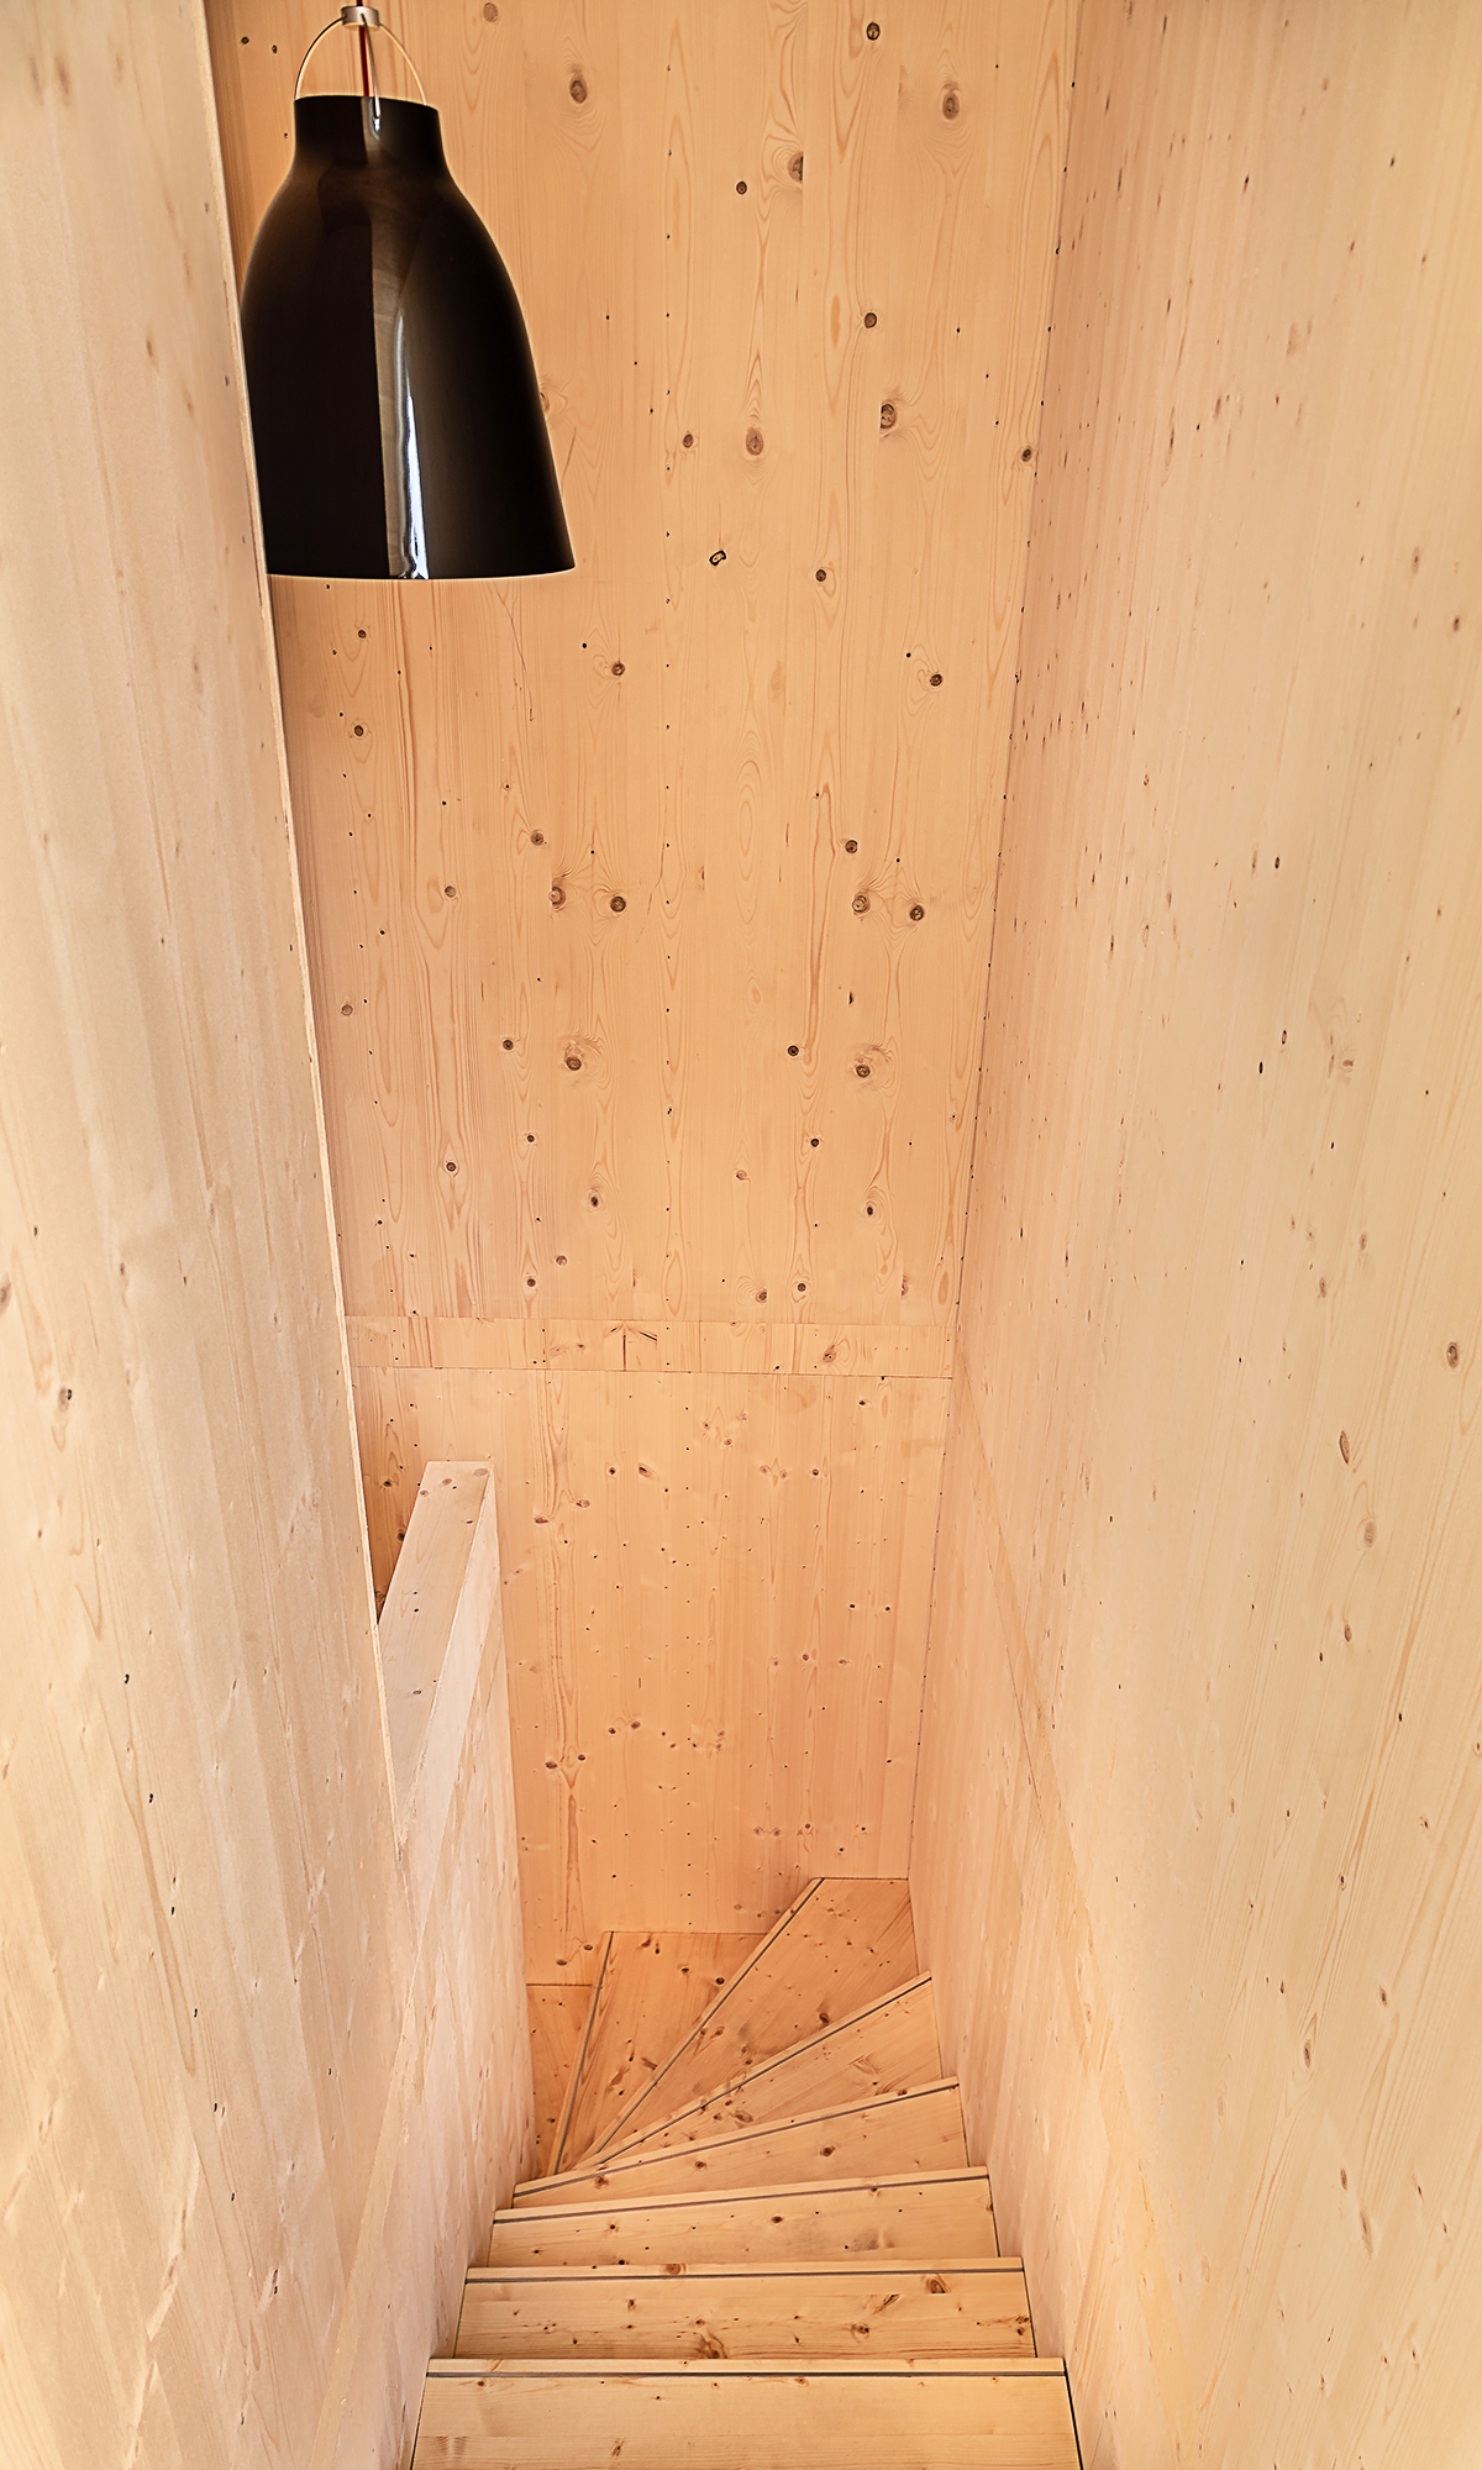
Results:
[395, 414]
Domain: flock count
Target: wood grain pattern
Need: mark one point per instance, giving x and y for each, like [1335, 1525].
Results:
[918, 2130]
[716, 1595]
[636, 1051]
[421, 1606]
[701, 208]
[558, 2017]
[655, 1986]
[844, 1942]
[1012, 2414]
[886, 2049]
[441, 1624]
[1199, 1853]
[922, 2215]
[749, 2311]
[532, 1345]
[253, 2116]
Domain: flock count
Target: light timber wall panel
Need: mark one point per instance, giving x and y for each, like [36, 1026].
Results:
[1199, 1840]
[251, 2118]
[649, 907]
[719, 1595]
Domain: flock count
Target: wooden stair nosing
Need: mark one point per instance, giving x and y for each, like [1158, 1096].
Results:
[780, 2370]
[863, 2266]
[768, 2066]
[799, 1904]
[563, 2125]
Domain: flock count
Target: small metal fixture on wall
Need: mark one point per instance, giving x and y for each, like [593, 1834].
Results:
[395, 412]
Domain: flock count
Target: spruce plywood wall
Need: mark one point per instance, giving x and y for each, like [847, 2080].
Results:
[257, 2094]
[649, 908]
[1199, 1836]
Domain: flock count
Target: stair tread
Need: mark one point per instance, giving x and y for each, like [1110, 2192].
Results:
[653, 1987]
[910, 2214]
[885, 2047]
[753, 2414]
[844, 1942]
[916, 2130]
[815, 2310]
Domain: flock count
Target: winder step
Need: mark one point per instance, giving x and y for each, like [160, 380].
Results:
[888, 2047]
[916, 2130]
[843, 1943]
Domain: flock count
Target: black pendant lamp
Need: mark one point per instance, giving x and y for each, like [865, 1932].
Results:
[397, 422]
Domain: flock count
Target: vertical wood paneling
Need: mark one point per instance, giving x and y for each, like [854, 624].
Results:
[1199, 1852]
[630, 1028]
[251, 2116]
[719, 1585]
[543, 1103]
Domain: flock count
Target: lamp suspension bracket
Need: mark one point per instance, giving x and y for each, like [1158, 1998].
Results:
[368, 21]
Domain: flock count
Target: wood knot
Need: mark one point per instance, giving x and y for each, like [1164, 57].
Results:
[888, 415]
[754, 441]
[558, 896]
[578, 89]
[617, 902]
[795, 168]
[917, 913]
[860, 903]
[951, 103]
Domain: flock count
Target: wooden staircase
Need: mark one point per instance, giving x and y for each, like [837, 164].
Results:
[760, 2242]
